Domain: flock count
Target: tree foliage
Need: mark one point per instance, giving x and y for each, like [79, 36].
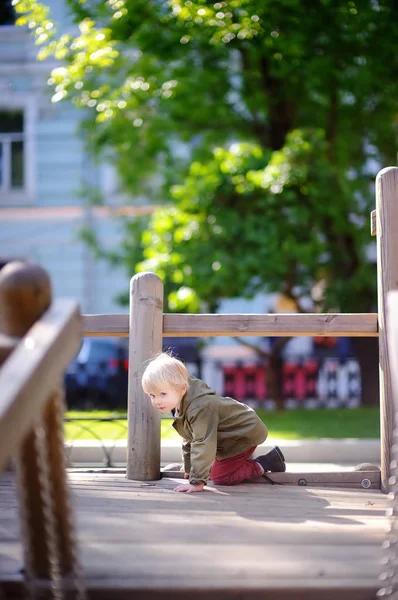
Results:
[260, 122]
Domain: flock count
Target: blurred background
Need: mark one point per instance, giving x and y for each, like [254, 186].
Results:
[231, 148]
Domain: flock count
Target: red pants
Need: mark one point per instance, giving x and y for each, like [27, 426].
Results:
[236, 469]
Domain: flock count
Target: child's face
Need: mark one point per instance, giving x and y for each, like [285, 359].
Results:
[167, 398]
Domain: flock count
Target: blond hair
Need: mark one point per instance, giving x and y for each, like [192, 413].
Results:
[164, 369]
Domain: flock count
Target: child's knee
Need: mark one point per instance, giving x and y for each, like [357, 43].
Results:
[223, 480]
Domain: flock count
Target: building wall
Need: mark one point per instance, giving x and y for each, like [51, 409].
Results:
[40, 223]
[51, 240]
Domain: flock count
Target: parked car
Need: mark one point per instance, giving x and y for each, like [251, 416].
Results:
[97, 378]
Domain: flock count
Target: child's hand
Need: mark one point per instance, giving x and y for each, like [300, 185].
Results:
[190, 488]
[186, 475]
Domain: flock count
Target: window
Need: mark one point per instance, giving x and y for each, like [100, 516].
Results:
[12, 149]
[7, 13]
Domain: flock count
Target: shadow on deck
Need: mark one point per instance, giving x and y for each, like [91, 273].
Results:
[251, 541]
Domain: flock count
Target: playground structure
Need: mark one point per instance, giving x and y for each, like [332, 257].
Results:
[147, 325]
[40, 337]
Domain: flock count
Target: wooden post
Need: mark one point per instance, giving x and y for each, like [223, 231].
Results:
[25, 295]
[392, 328]
[145, 341]
[387, 279]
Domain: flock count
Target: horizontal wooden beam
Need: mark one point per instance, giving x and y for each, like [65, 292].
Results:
[341, 479]
[106, 325]
[33, 370]
[275, 325]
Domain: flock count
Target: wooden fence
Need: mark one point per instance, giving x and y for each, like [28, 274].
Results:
[147, 325]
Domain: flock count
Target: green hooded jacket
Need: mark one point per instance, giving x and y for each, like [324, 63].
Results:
[214, 427]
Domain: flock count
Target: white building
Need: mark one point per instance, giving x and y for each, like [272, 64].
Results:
[43, 168]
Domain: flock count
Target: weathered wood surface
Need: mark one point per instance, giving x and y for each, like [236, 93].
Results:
[143, 540]
[387, 280]
[186, 325]
[339, 479]
[146, 315]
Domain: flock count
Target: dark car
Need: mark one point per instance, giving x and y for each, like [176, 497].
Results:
[97, 378]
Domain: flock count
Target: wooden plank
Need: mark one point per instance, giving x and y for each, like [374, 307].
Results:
[276, 325]
[250, 541]
[373, 223]
[270, 591]
[34, 369]
[387, 278]
[175, 587]
[106, 325]
[347, 479]
[187, 325]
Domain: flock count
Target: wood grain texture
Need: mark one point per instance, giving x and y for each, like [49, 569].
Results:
[142, 540]
[387, 280]
[145, 341]
[187, 325]
[348, 479]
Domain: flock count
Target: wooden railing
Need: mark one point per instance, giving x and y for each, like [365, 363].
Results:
[38, 340]
[146, 325]
[185, 325]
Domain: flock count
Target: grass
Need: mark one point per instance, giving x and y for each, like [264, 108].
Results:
[289, 425]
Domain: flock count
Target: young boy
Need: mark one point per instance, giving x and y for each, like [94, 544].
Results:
[220, 434]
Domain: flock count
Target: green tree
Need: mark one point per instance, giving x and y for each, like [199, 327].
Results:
[284, 110]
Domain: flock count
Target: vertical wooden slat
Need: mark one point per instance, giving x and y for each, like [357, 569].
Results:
[145, 341]
[387, 279]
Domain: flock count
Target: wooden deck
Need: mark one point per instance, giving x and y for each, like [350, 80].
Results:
[142, 540]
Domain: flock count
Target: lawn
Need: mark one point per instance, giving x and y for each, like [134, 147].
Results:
[288, 425]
